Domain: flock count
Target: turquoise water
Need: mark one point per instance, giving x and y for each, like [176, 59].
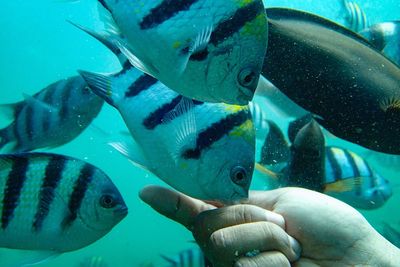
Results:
[39, 47]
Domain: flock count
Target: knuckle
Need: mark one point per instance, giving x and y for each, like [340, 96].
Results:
[243, 213]
[218, 239]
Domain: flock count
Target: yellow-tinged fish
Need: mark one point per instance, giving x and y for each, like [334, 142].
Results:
[203, 49]
[52, 204]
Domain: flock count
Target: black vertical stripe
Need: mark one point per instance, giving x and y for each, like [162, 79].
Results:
[190, 258]
[215, 132]
[164, 11]
[230, 26]
[12, 191]
[78, 193]
[337, 170]
[52, 177]
[144, 82]
[353, 164]
[65, 103]
[29, 123]
[48, 99]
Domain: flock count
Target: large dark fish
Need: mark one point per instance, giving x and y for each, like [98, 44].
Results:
[337, 75]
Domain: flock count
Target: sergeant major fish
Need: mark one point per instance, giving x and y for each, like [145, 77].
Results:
[52, 117]
[205, 150]
[206, 50]
[55, 203]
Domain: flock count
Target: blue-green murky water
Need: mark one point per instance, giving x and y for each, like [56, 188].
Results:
[38, 47]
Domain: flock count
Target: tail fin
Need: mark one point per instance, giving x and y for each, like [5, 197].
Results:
[275, 149]
[100, 85]
[4, 138]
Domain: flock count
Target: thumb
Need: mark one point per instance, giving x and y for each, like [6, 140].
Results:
[174, 205]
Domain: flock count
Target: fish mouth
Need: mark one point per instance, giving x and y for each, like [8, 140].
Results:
[245, 95]
[121, 212]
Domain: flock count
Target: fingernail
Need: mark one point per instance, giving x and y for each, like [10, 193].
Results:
[275, 218]
[295, 245]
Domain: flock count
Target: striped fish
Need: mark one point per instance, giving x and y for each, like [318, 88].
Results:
[50, 202]
[205, 150]
[259, 119]
[386, 38]
[188, 258]
[351, 179]
[52, 117]
[210, 51]
[356, 20]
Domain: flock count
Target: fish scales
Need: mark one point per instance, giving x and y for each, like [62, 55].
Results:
[196, 44]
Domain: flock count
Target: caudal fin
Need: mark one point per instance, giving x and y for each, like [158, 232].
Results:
[4, 139]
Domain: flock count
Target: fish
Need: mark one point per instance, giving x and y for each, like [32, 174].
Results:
[55, 203]
[207, 51]
[205, 150]
[386, 38]
[50, 118]
[334, 74]
[188, 258]
[391, 234]
[94, 261]
[306, 167]
[275, 149]
[350, 178]
[356, 19]
[259, 117]
[346, 175]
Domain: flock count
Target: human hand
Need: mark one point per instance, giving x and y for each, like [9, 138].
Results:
[331, 233]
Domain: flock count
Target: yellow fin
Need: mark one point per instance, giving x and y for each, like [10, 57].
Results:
[344, 185]
[266, 171]
[390, 105]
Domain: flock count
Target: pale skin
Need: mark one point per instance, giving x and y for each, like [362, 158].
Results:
[283, 227]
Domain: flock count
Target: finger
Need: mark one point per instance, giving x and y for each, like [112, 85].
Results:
[239, 240]
[264, 259]
[265, 199]
[174, 205]
[212, 220]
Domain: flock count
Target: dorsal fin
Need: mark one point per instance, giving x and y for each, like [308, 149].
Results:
[298, 15]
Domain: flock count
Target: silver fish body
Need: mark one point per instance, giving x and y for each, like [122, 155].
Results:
[51, 202]
[367, 189]
[206, 50]
[52, 117]
[205, 150]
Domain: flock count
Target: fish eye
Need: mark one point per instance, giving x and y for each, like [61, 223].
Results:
[247, 78]
[107, 201]
[86, 90]
[238, 175]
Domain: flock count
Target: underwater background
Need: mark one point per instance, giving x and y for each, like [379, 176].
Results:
[38, 47]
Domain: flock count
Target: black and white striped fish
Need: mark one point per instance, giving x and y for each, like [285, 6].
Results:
[180, 137]
[188, 258]
[52, 117]
[205, 150]
[351, 179]
[50, 202]
[356, 19]
[206, 50]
